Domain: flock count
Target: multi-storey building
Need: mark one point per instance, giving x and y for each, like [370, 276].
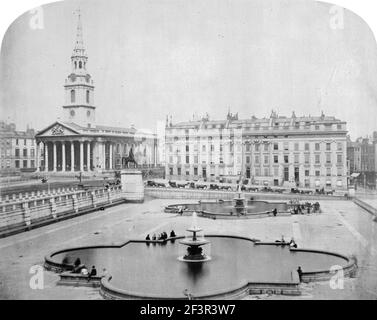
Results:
[362, 156]
[280, 151]
[18, 149]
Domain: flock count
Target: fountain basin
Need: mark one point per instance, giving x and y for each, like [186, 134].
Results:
[238, 266]
[227, 210]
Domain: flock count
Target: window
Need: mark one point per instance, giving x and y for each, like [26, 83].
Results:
[187, 173]
[17, 142]
[317, 158]
[247, 159]
[276, 146]
[339, 126]
[286, 146]
[256, 159]
[248, 148]
[317, 127]
[17, 152]
[73, 96]
[317, 147]
[339, 158]
[296, 146]
[257, 147]
[266, 159]
[221, 148]
[24, 142]
[171, 171]
[306, 146]
[32, 152]
[203, 148]
[25, 163]
[296, 158]
[339, 172]
[328, 172]
[80, 65]
[276, 171]
[179, 171]
[328, 146]
[266, 147]
[212, 147]
[276, 159]
[187, 148]
[306, 173]
[257, 172]
[328, 157]
[195, 171]
[286, 159]
[87, 96]
[222, 160]
[195, 159]
[187, 159]
[266, 172]
[306, 158]
[339, 146]
[317, 173]
[17, 164]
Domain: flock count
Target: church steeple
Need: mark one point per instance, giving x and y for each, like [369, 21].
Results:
[79, 88]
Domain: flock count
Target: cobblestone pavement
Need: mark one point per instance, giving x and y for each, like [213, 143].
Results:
[342, 227]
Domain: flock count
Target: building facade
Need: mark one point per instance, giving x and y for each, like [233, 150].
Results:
[79, 143]
[277, 151]
[18, 149]
[362, 156]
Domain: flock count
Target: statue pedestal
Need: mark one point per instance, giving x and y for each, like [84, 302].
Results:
[132, 185]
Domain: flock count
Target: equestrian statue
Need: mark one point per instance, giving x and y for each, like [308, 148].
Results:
[129, 159]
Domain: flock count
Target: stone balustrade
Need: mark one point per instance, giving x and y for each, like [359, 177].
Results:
[19, 212]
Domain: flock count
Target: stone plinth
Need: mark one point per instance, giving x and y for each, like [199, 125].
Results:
[132, 185]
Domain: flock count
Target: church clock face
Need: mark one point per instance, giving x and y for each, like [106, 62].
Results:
[72, 113]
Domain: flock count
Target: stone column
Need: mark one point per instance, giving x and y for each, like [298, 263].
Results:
[104, 155]
[81, 156]
[37, 156]
[54, 156]
[63, 156]
[88, 156]
[72, 156]
[46, 156]
[110, 156]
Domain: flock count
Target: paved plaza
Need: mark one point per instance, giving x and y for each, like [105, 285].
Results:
[342, 227]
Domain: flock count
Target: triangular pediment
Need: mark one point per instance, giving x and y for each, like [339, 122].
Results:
[57, 129]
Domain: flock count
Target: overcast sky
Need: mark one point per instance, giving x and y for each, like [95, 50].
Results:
[150, 58]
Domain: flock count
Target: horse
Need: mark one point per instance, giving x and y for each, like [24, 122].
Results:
[127, 160]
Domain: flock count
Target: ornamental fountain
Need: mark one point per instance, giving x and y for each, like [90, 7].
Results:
[194, 243]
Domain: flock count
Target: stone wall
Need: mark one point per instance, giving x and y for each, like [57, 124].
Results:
[199, 194]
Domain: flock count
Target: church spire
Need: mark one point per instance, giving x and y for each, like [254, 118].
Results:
[79, 37]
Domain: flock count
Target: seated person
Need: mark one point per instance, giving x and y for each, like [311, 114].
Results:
[92, 273]
[172, 234]
[147, 238]
[84, 271]
[292, 243]
[154, 238]
[275, 212]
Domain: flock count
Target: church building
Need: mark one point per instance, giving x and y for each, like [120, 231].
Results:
[78, 143]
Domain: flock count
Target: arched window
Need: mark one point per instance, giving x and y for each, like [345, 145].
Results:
[87, 96]
[75, 64]
[73, 96]
[80, 64]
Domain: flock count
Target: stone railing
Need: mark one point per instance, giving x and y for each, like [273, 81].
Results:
[20, 212]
